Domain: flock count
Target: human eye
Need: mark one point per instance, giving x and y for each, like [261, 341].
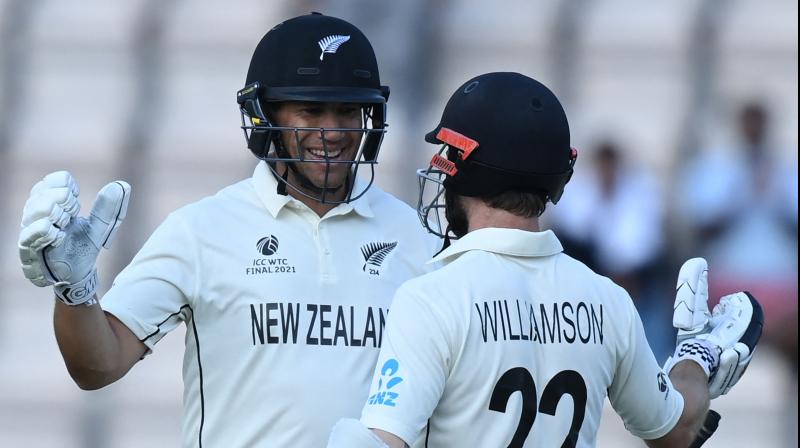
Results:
[350, 110]
[311, 110]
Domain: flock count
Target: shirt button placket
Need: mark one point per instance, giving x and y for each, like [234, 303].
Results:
[326, 263]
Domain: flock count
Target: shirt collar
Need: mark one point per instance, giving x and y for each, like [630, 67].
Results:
[266, 187]
[514, 242]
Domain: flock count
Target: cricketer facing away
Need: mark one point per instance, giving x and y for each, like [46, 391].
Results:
[283, 280]
[512, 343]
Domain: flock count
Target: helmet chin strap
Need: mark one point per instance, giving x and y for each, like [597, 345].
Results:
[457, 221]
[281, 190]
[283, 181]
[446, 242]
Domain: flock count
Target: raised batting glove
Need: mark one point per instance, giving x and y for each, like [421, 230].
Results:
[721, 342]
[56, 247]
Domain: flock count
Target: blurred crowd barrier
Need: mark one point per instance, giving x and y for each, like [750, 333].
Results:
[684, 114]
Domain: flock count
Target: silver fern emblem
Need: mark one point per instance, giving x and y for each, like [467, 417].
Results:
[331, 43]
[376, 253]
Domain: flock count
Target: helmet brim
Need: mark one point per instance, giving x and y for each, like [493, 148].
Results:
[430, 137]
[324, 95]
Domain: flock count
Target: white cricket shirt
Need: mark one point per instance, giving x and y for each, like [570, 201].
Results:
[284, 310]
[513, 343]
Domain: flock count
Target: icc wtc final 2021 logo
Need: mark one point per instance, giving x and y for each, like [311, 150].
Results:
[268, 246]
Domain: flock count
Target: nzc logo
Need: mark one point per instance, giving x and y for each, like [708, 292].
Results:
[385, 396]
[268, 245]
[662, 382]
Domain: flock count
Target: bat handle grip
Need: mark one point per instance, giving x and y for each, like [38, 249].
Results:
[707, 430]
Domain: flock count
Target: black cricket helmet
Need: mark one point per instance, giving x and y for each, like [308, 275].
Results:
[313, 58]
[499, 132]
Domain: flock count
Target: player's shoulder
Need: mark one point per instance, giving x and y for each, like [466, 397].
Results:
[212, 210]
[386, 205]
[425, 294]
[439, 282]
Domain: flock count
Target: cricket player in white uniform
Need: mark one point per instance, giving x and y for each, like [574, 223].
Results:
[512, 343]
[283, 280]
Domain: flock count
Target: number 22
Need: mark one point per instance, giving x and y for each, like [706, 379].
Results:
[519, 379]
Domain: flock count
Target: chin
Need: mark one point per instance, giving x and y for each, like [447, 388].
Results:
[334, 180]
[331, 186]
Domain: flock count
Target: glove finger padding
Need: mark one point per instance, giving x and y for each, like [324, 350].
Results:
[55, 180]
[55, 197]
[690, 311]
[737, 318]
[727, 371]
[32, 268]
[740, 323]
[58, 205]
[109, 210]
[726, 346]
[38, 235]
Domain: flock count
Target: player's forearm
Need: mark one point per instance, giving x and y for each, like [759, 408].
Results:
[88, 344]
[691, 381]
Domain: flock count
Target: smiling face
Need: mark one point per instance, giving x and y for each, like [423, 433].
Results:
[325, 152]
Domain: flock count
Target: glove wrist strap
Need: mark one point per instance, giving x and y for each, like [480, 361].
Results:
[80, 292]
[700, 351]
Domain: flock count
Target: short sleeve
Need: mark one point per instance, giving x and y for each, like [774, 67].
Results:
[641, 393]
[414, 362]
[151, 295]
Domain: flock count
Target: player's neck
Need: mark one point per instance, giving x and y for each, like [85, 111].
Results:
[481, 216]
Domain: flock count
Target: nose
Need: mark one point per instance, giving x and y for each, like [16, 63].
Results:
[331, 122]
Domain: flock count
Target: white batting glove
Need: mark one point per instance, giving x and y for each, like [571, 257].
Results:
[691, 317]
[690, 312]
[56, 247]
[737, 323]
[721, 342]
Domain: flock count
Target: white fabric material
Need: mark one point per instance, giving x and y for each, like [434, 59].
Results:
[691, 318]
[691, 315]
[284, 310]
[730, 320]
[700, 351]
[351, 433]
[732, 364]
[507, 314]
[56, 247]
